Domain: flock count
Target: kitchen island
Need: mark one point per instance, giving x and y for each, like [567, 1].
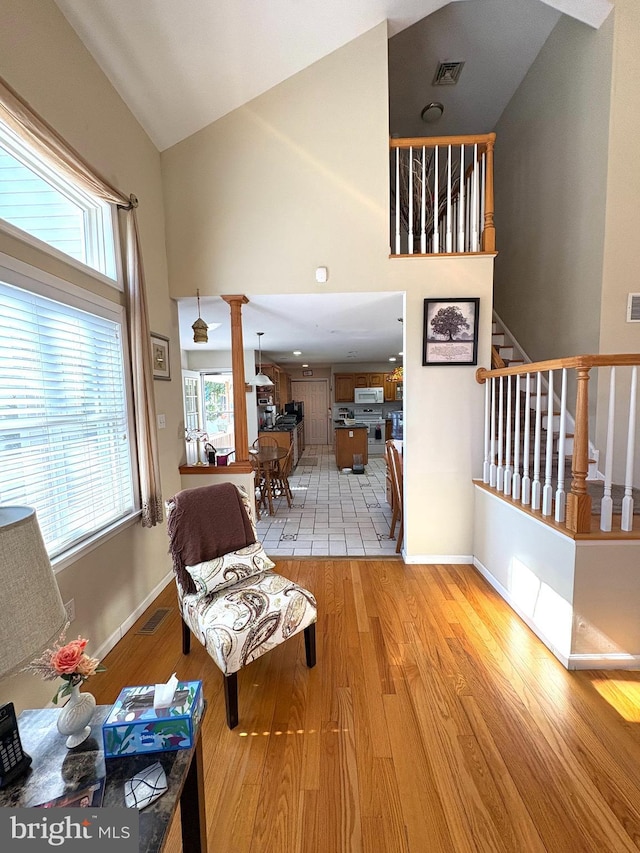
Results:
[350, 440]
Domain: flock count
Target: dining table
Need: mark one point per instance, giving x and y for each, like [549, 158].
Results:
[268, 458]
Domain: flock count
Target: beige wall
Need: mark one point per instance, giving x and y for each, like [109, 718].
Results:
[551, 160]
[295, 179]
[45, 62]
[299, 178]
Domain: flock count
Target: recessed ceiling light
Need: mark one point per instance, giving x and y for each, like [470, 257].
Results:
[297, 352]
[392, 358]
[401, 354]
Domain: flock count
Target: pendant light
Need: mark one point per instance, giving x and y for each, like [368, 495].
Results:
[200, 328]
[261, 378]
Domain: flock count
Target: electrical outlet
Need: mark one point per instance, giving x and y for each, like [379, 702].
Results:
[70, 607]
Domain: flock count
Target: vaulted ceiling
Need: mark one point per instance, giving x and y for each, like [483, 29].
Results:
[181, 64]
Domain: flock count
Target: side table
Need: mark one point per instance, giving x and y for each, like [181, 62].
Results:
[56, 770]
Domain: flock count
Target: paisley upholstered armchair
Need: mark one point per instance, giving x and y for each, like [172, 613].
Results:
[228, 593]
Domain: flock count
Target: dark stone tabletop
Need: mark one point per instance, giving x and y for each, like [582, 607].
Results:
[56, 771]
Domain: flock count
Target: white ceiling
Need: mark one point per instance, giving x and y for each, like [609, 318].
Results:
[181, 64]
[326, 328]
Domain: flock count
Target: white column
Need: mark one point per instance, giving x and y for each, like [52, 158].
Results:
[561, 497]
[606, 508]
[547, 492]
[517, 478]
[627, 500]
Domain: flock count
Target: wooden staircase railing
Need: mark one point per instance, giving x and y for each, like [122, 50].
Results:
[515, 449]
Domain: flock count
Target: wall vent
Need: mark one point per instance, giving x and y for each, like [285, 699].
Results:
[447, 73]
[633, 308]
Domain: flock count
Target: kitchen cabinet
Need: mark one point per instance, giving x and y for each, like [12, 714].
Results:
[349, 441]
[392, 390]
[361, 380]
[343, 385]
[388, 426]
[375, 380]
[281, 391]
[301, 438]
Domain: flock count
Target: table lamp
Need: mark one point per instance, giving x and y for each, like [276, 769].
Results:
[32, 615]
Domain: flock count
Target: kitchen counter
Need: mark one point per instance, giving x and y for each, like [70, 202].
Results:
[279, 428]
[352, 426]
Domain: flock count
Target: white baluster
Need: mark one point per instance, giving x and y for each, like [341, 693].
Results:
[436, 194]
[508, 471]
[561, 497]
[517, 478]
[423, 209]
[461, 207]
[500, 473]
[474, 202]
[627, 500]
[483, 184]
[449, 237]
[535, 485]
[397, 201]
[547, 491]
[492, 466]
[410, 229]
[606, 507]
[526, 479]
[487, 427]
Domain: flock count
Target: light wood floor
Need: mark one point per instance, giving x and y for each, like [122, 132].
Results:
[433, 721]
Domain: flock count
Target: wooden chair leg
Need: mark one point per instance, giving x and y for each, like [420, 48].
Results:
[394, 520]
[400, 532]
[310, 644]
[231, 699]
[186, 638]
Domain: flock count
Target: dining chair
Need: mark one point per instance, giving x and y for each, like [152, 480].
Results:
[265, 441]
[281, 477]
[259, 486]
[228, 595]
[395, 471]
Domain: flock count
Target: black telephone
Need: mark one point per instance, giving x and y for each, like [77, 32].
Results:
[13, 760]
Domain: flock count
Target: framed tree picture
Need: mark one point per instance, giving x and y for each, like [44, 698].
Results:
[160, 356]
[450, 333]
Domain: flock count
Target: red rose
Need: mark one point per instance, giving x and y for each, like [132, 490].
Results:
[65, 660]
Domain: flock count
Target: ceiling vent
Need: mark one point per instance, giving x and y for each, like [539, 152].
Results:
[447, 73]
[633, 308]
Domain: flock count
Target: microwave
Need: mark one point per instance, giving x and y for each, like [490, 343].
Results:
[265, 401]
[368, 395]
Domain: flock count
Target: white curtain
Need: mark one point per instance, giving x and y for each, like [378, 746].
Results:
[24, 121]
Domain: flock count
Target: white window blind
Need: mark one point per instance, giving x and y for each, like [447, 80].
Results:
[64, 430]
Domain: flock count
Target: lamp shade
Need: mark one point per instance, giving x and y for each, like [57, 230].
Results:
[32, 614]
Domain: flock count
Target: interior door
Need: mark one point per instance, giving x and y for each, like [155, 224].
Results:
[314, 393]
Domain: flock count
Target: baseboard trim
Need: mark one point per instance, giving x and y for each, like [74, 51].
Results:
[119, 633]
[612, 661]
[444, 559]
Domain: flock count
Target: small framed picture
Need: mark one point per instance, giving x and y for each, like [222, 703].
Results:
[160, 356]
[307, 372]
[450, 333]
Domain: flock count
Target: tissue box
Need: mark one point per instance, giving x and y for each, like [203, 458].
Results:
[135, 727]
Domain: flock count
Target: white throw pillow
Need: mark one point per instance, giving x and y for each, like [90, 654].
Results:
[222, 572]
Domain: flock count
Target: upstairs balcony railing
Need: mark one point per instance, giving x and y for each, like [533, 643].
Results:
[529, 435]
[442, 195]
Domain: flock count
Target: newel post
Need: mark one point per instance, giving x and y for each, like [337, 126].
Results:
[241, 435]
[489, 230]
[578, 518]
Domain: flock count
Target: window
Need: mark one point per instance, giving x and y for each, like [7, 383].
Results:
[49, 207]
[217, 389]
[64, 427]
[208, 410]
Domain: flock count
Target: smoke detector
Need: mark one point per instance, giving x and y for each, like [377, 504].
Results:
[447, 73]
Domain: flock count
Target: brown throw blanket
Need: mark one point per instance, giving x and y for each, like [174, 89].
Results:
[204, 523]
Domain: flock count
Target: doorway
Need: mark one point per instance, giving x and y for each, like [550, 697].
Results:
[314, 393]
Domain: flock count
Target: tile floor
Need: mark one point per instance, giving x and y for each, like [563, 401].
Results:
[333, 514]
